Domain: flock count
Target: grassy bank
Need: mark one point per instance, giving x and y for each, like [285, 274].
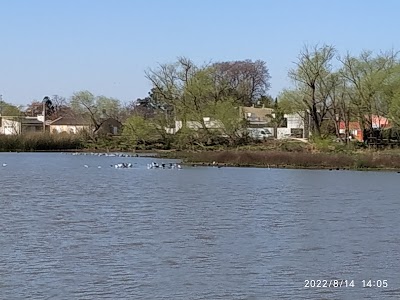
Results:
[278, 154]
[40, 142]
[280, 159]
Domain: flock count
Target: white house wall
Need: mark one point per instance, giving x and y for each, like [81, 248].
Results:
[67, 128]
[10, 127]
[294, 121]
[283, 133]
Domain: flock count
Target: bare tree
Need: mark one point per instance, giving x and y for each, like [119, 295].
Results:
[61, 107]
[245, 80]
[315, 82]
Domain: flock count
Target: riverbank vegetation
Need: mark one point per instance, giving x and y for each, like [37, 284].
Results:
[40, 142]
[280, 159]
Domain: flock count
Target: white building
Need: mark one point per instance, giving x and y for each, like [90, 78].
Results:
[295, 127]
[12, 125]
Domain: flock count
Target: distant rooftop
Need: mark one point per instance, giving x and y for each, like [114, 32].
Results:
[72, 121]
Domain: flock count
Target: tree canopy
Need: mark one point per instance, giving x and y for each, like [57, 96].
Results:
[95, 108]
[7, 109]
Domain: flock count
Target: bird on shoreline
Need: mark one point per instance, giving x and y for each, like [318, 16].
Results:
[155, 165]
[122, 166]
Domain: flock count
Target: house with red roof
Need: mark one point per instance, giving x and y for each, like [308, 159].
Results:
[355, 130]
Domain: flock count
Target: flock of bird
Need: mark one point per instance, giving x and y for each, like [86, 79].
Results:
[153, 165]
[105, 154]
[116, 166]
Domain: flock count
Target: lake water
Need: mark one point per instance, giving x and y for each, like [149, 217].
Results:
[71, 232]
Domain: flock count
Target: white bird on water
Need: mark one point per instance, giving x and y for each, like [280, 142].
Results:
[4, 165]
[86, 166]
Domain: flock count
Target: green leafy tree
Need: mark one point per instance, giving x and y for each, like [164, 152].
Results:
[393, 92]
[369, 80]
[108, 107]
[190, 88]
[227, 117]
[7, 109]
[266, 101]
[138, 131]
[96, 109]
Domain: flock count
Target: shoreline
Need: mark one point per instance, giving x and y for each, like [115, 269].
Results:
[273, 159]
[363, 161]
[288, 167]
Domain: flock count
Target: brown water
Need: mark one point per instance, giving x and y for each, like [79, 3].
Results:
[71, 232]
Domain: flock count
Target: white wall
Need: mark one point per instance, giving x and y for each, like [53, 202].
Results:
[294, 121]
[9, 127]
[283, 133]
[67, 128]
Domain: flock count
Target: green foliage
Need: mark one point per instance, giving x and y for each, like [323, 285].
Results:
[96, 109]
[290, 101]
[394, 106]
[266, 101]
[191, 89]
[139, 131]
[184, 139]
[226, 115]
[371, 83]
[7, 109]
[108, 107]
[324, 144]
[277, 118]
[83, 101]
[314, 83]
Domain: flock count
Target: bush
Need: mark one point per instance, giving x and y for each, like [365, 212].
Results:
[40, 142]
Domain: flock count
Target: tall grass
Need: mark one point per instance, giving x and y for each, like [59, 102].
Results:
[296, 159]
[40, 142]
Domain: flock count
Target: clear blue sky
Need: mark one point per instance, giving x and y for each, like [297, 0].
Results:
[61, 46]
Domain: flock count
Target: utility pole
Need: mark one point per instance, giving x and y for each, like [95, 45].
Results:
[44, 102]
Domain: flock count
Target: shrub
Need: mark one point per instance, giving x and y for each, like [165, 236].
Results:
[40, 142]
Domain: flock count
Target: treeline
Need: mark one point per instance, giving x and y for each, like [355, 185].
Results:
[336, 88]
[182, 92]
[202, 101]
[332, 89]
[329, 89]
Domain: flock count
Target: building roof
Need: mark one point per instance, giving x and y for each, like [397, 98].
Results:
[71, 121]
[111, 120]
[376, 122]
[31, 121]
[23, 120]
[352, 125]
[379, 121]
[256, 114]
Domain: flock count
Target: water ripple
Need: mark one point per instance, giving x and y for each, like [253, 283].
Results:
[69, 232]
